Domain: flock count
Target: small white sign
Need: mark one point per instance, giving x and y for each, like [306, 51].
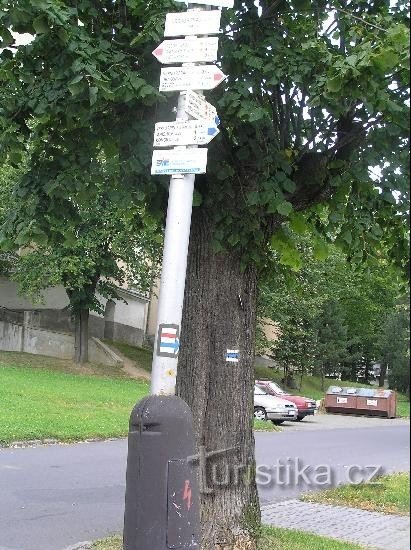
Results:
[219, 3]
[179, 161]
[342, 400]
[201, 77]
[187, 50]
[372, 402]
[233, 356]
[184, 132]
[196, 106]
[192, 23]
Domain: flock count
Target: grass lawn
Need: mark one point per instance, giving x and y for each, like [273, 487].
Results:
[44, 398]
[389, 494]
[403, 406]
[272, 539]
[265, 426]
[141, 356]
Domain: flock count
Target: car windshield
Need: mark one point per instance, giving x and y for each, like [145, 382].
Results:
[276, 388]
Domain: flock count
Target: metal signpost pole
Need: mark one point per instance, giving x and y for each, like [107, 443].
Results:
[162, 490]
[171, 298]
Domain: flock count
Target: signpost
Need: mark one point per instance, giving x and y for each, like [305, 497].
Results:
[196, 106]
[190, 132]
[200, 77]
[191, 22]
[179, 161]
[162, 490]
[218, 3]
[187, 50]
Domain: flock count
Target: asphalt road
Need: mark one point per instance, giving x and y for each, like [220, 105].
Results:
[53, 497]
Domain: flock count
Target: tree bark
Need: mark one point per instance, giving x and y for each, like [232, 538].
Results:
[220, 315]
[81, 333]
[383, 374]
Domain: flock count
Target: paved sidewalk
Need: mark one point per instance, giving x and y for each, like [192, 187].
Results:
[370, 529]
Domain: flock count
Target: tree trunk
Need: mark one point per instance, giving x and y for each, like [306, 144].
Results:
[383, 374]
[81, 336]
[220, 315]
[322, 376]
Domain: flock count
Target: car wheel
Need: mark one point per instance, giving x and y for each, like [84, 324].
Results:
[277, 422]
[259, 413]
[300, 417]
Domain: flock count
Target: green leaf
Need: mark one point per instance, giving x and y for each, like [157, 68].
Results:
[6, 38]
[347, 236]
[77, 85]
[253, 198]
[41, 25]
[93, 91]
[321, 250]
[289, 185]
[197, 198]
[386, 60]
[298, 223]
[284, 208]
[334, 84]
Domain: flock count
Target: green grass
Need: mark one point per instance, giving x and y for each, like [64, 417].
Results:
[39, 403]
[272, 539]
[403, 406]
[141, 356]
[389, 494]
[311, 387]
[265, 426]
[287, 539]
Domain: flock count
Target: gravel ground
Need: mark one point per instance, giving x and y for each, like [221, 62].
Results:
[335, 421]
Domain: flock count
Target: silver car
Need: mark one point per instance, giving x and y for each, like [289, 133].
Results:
[276, 409]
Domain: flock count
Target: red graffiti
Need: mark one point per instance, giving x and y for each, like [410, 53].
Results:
[187, 494]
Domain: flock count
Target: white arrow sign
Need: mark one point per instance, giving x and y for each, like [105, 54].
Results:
[196, 106]
[201, 77]
[184, 132]
[179, 161]
[219, 3]
[187, 50]
[192, 23]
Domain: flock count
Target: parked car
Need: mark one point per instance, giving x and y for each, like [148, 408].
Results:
[276, 409]
[305, 405]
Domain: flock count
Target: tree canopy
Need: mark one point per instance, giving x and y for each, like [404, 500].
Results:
[331, 313]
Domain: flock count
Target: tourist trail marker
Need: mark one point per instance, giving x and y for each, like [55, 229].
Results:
[196, 106]
[218, 3]
[182, 132]
[192, 23]
[179, 161]
[200, 77]
[187, 50]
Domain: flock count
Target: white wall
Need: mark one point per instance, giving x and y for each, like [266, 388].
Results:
[54, 298]
[133, 313]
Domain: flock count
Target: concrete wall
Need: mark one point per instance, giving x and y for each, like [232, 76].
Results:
[54, 298]
[125, 319]
[38, 341]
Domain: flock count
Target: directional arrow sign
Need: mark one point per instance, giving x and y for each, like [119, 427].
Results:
[184, 132]
[196, 106]
[187, 50]
[202, 77]
[193, 23]
[219, 3]
[179, 161]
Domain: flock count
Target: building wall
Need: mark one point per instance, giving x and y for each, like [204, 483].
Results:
[54, 298]
[39, 341]
[124, 320]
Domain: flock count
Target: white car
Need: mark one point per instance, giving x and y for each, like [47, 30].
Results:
[276, 409]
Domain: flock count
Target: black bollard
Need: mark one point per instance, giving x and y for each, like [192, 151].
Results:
[162, 492]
